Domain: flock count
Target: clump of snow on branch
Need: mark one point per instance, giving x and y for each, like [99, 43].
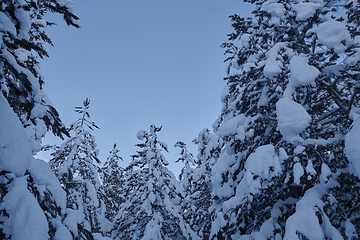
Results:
[234, 126]
[292, 119]
[42, 175]
[274, 8]
[309, 209]
[298, 172]
[13, 138]
[298, 66]
[273, 65]
[26, 218]
[305, 10]
[333, 34]
[260, 167]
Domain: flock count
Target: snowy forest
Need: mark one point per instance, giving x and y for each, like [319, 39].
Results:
[282, 160]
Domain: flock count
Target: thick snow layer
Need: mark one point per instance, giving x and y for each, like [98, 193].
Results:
[15, 150]
[292, 119]
[273, 66]
[38, 111]
[310, 169]
[301, 74]
[42, 175]
[91, 194]
[299, 149]
[350, 230]
[146, 207]
[236, 125]
[73, 218]
[260, 167]
[105, 225]
[263, 163]
[220, 167]
[282, 154]
[325, 173]
[304, 220]
[352, 149]
[152, 228]
[304, 10]
[6, 24]
[274, 8]
[26, 218]
[298, 172]
[330, 231]
[218, 222]
[24, 19]
[35, 134]
[333, 34]
[62, 233]
[309, 218]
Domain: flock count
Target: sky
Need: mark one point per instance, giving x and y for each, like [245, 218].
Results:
[141, 62]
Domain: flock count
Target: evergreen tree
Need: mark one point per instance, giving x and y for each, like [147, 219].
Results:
[153, 196]
[112, 183]
[75, 163]
[22, 41]
[187, 158]
[32, 202]
[198, 195]
[186, 178]
[288, 123]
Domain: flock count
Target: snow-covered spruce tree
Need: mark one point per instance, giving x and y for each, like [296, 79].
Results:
[32, 202]
[153, 196]
[112, 182]
[187, 172]
[75, 163]
[187, 182]
[290, 165]
[198, 190]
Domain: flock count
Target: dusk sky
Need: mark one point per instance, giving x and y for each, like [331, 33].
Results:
[141, 62]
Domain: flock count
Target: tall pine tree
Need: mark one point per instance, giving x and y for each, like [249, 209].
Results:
[75, 163]
[153, 196]
[199, 187]
[289, 165]
[112, 176]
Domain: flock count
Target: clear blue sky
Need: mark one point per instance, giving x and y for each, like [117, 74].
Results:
[141, 62]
